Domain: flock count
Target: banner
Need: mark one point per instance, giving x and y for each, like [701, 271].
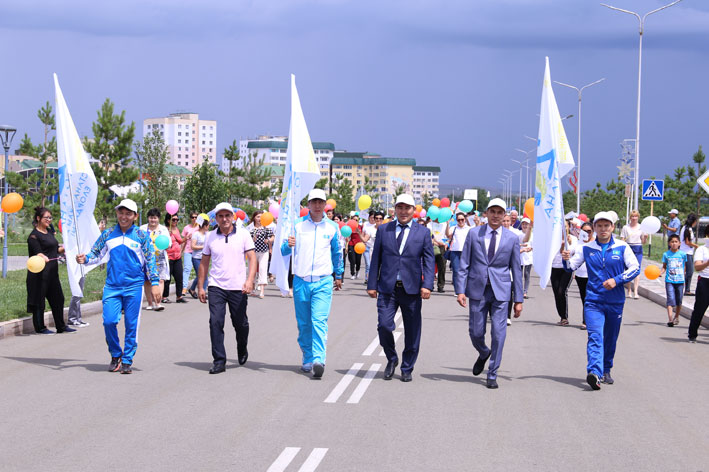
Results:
[554, 161]
[299, 178]
[77, 193]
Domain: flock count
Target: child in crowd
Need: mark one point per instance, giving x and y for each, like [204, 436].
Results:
[673, 262]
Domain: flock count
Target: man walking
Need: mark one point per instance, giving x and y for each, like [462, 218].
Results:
[131, 259]
[490, 253]
[401, 275]
[317, 256]
[225, 247]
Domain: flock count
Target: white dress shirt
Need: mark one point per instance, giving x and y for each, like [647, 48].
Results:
[488, 237]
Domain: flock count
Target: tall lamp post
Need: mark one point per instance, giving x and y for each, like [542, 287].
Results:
[519, 200]
[578, 148]
[504, 187]
[641, 24]
[6, 135]
[527, 166]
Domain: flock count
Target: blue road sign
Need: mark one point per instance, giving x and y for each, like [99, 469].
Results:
[653, 190]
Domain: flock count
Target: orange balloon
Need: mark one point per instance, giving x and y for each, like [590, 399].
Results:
[360, 248]
[332, 203]
[529, 208]
[12, 203]
[436, 202]
[419, 208]
[266, 218]
[652, 272]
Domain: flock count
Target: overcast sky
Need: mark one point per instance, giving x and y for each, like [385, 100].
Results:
[449, 83]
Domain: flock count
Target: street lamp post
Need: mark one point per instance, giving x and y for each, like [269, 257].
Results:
[519, 200]
[641, 24]
[527, 166]
[6, 135]
[578, 149]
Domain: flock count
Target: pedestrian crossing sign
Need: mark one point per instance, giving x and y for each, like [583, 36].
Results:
[653, 190]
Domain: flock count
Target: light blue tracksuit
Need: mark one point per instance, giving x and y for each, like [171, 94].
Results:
[131, 259]
[604, 308]
[317, 256]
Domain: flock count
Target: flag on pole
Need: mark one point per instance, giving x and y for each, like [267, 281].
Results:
[77, 193]
[299, 178]
[554, 161]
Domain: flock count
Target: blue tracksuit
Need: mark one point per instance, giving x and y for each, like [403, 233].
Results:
[131, 259]
[317, 256]
[604, 308]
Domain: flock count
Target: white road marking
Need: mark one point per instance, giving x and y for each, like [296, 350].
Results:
[397, 316]
[372, 346]
[343, 383]
[364, 384]
[313, 460]
[286, 457]
[397, 335]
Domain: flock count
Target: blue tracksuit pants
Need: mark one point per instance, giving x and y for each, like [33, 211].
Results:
[115, 301]
[603, 324]
[312, 308]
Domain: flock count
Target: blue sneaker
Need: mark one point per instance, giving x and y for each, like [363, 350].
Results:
[307, 367]
[607, 379]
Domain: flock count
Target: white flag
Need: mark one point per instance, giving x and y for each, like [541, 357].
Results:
[554, 160]
[77, 193]
[299, 178]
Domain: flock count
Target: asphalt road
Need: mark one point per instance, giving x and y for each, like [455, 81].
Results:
[63, 411]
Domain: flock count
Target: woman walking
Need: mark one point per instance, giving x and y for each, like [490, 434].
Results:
[155, 229]
[45, 284]
[633, 234]
[456, 235]
[687, 245]
[561, 279]
[263, 241]
[187, 265]
[355, 259]
[174, 255]
[197, 243]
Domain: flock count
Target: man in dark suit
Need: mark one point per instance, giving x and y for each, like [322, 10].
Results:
[400, 276]
[490, 255]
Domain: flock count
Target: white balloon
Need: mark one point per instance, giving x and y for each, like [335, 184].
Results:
[650, 225]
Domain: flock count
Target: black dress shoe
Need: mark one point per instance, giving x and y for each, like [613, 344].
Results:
[440, 290]
[492, 383]
[406, 377]
[389, 370]
[243, 357]
[480, 364]
[217, 369]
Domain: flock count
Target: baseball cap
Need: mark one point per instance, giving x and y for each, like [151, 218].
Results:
[128, 204]
[317, 194]
[405, 199]
[605, 215]
[223, 206]
[674, 210]
[526, 220]
[497, 202]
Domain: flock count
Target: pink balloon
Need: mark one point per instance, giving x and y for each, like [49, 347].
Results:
[273, 209]
[422, 213]
[171, 207]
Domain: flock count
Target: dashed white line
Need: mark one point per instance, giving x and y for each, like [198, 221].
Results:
[313, 460]
[364, 384]
[284, 460]
[343, 383]
[372, 346]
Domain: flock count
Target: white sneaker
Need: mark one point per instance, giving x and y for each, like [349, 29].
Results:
[352, 277]
[82, 324]
[149, 307]
[509, 322]
[357, 275]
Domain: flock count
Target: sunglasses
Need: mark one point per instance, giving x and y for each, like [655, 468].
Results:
[175, 219]
[461, 219]
[193, 217]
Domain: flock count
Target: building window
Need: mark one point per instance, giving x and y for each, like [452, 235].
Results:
[202, 142]
[204, 127]
[179, 133]
[179, 141]
[179, 126]
[211, 127]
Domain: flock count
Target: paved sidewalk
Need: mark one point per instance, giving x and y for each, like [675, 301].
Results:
[15, 262]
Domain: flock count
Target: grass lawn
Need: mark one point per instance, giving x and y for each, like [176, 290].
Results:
[13, 302]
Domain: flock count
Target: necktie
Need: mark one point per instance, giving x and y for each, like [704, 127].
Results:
[491, 247]
[400, 238]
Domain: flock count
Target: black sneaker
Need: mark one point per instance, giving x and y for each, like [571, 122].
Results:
[66, 329]
[607, 379]
[693, 340]
[181, 300]
[126, 369]
[47, 332]
[593, 381]
[318, 370]
[115, 364]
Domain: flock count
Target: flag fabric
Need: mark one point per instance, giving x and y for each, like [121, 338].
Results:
[299, 178]
[77, 194]
[554, 161]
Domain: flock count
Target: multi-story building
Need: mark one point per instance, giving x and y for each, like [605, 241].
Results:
[425, 181]
[189, 140]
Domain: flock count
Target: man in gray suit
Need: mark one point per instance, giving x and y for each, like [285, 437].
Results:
[489, 255]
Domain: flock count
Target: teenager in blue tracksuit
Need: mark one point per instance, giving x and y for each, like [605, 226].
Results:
[317, 255]
[131, 259]
[610, 264]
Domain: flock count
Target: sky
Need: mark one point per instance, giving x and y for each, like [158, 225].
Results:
[450, 83]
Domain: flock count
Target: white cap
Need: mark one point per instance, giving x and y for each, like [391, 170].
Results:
[223, 206]
[674, 210]
[605, 215]
[526, 220]
[497, 202]
[317, 194]
[405, 199]
[128, 204]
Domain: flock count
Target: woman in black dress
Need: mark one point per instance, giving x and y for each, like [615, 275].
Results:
[45, 284]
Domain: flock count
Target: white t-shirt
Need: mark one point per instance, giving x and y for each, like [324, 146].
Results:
[558, 262]
[526, 258]
[582, 271]
[684, 247]
[371, 231]
[701, 255]
[632, 235]
[458, 237]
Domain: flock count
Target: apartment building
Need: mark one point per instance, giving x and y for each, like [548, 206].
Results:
[189, 139]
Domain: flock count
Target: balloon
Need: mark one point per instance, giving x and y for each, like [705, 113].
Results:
[583, 217]
[346, 231]
[417, 215]
[466, 206]
[445, 202]
[162, 242]
[422, 213]
[360, 248]
[419, 208]
[266, 218]
[240, 215]
[650, 225]
[445, 214]
[35, 264]
[340, 224]
[171, 207]
[529, 208]
[60, 225]
[328, 207]
[387, 220]
[353, 224]
[364, 202]
[652, 272]
[304, 212]
[12, 203]
[273, 209]
[332, 203]
[433, 212]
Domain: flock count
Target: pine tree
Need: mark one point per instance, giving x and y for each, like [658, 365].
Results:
[152, 157]
[343, 194]
[205, 188]
[246, 183]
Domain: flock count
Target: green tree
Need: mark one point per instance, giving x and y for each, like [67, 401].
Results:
[205, 188]
[398, 190]
[370, 188]
[343, 193]
[247, 178]
[152, 157]
[426, 198]
[111, 147]
[699, 157]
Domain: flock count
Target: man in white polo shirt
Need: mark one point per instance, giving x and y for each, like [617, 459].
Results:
[225, 248]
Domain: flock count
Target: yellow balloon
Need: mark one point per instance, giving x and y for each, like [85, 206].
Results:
[35, 264]
[364, 202]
